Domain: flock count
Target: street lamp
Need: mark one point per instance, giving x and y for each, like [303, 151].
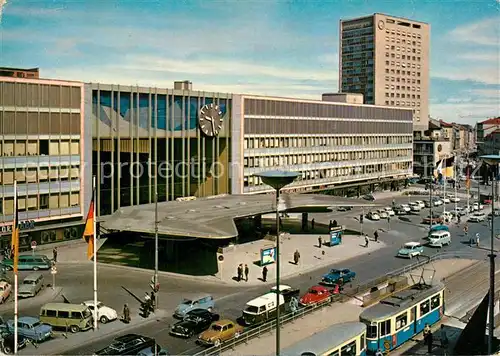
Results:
[493, 161]
[277, 180]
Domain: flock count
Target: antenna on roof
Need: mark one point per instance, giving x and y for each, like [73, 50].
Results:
[426, 275]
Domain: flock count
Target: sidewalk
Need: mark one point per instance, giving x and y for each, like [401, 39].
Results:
[311, 256]
[317, 321]
[62, 342]
[74, 251]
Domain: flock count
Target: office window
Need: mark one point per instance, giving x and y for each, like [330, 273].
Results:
[43, 173]
[20, 149]
[8, 148]
[20, 176]
[54, 201]
[64, 148]
[32, 148]
[32, 203]
[44, 201]
[21, 203]
[75, 199]
[75, 148]
[64, 172]
[53, 148]
[54, 173]
[8, 206]
[64, 200]
[8, 177]
[31, 175]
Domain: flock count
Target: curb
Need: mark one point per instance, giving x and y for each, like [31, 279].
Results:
[22, 302]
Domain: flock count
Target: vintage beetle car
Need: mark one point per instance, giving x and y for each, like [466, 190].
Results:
[338, 276]
[318, 295]
[219, 332]
[194, 322]
[287, 292]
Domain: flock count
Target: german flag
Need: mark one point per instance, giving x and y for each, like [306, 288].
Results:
[88, 233]
[467, 179]
[15, 233]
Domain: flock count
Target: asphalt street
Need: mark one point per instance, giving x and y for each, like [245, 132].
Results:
[369, 267]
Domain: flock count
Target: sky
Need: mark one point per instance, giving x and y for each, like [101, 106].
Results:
[268, 47]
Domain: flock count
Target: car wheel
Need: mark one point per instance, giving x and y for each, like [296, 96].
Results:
[74, 328]
[217, 343]
[103, 319]
[7, 349]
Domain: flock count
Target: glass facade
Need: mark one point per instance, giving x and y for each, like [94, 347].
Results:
[148, 138]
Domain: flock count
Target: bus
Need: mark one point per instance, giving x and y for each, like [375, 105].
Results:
[345, 339]
[402, 315]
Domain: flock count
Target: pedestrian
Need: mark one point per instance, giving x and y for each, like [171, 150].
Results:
[126, 314]
[153, 300]
[375, 235]
[444, 338]
[296, 257]
[312, 224]
[366, 240]
[246, 272]
[334, 224]
[240, 272]
[54, 254]
[430, 340]
[477, 239]
[264, 274]
[320, 242]
[330, 225]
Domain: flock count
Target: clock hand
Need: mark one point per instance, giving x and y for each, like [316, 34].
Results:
[213, 126]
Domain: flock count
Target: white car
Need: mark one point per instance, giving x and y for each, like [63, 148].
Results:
[405, 207]
[454, 199]
[477, 217]
[390, 211]
[104, 314]
[437, 202]
[420, 203]
[383, 214]
[445, 200]
[477, 206]
[415, 207]
[373, 215]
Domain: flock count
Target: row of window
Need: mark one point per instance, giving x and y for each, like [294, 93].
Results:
[39, 174]
[402, 41]
[403, 96]
[52, 147]
[271, 161]
[403, 65]
[402, 33]
[402, 56]
[40, 202]
[398, 72]
[252, 181]
[403, 319]
[280, 142]
[402, 103]
[402, 87]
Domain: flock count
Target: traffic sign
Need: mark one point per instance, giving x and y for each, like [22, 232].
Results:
[33, 244]
[53, 270]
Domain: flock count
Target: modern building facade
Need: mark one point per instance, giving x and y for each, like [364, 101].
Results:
[42, 140]
[387, 60]
[149, 139]
[331, 145]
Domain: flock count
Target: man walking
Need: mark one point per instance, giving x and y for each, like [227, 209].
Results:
[320, 242]
[375, 235]
[264, 274]
[312, 224]
[366, 240]
[54, 254]
[246, 272]
[296, 257]
[240, 272]
[126, 314]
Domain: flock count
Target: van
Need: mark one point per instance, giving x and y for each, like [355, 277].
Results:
[29, 262]
[74, 317]
[262, 309]
[439, 238]
[436, 228]
[32, 284]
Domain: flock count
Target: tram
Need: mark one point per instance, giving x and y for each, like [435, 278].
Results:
[344, 339]
[402, 315]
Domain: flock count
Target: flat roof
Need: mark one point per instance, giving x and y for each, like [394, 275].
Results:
[213, 217]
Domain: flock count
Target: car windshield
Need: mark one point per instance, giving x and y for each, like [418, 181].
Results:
[36, 324]
[192, 318]
[28, 282]
[187, 301]
[409, 247]
[216, 327]
[312, 291]
[335, 271]
[251, 309]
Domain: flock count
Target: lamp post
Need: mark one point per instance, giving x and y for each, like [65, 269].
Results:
[277, 180]
[156, 250]
[493, 161]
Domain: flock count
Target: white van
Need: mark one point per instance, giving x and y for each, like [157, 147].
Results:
[439, 238]
[262, 309]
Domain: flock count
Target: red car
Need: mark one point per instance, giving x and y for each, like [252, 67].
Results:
[318, 294]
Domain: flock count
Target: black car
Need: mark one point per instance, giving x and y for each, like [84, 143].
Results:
[344, 208]
[195, 322]
[129, 344]
[369, 197]
[8, 342]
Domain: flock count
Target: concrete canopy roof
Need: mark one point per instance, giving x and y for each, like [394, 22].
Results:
[213, 218]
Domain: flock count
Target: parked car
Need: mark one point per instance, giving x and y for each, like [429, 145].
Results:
[344, 208]
[129, 344]
[8, 339]
[262, 309]
[104, 314]
[410, 250]
[31, 328]
[421, 203]
[415, 207]
[198, 302]
[338, 276]
[453, 198]
[287, 292]
[477, 217]
[405, 207]
[372, 215]
[389, 211]
[75, 317]
[32, 284]
[435, 219]
[445, 199]
[5, 289]
[194, 322]
[318, 295]
[458, 212]
[153, 351]
[369, 197]
[219, 332]
[496, 212]
[477, 206]
[383, 214]
[437, 202]
[400, 211]
[29, 262]
[439, 238]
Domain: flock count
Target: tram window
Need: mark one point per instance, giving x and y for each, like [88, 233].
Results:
[334, 353]
[371, 331]
[424, 307]
[349, 349]
[401, 321]
[385, 327]
[435, 302]
[362, 342]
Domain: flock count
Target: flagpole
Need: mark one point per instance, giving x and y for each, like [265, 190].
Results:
[444, 186]
[16, 246]
[456, 183]
[95, 251]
